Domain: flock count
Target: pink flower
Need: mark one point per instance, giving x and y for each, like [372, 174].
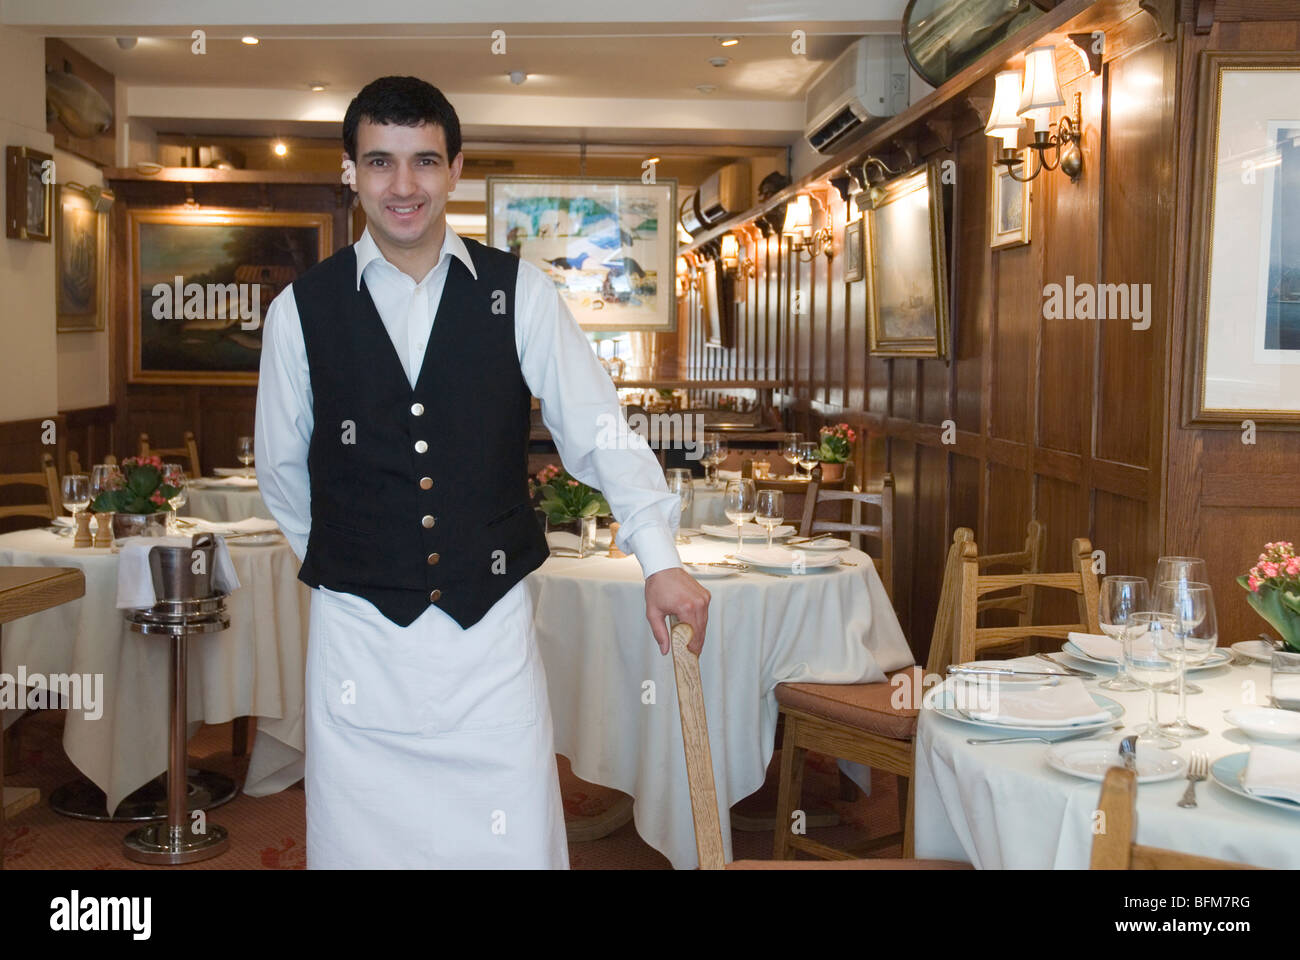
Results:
[1293, 567]
[1253, 583]
[573, 483]
[1268, 568]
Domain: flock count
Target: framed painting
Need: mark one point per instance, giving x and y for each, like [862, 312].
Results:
[608, 244]
[29, 194]
[80, 254]
[1009, 209]
[1244, 284]
[854, 265]
[201, 283]
[907, 287]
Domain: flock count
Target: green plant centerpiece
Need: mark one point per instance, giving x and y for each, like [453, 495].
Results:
[1273, 590]
[569, 505]
[836, 443]
[138, 489]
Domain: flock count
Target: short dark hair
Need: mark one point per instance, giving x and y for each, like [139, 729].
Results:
[408, 101]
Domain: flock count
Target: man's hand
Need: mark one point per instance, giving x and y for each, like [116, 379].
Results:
[675, 591]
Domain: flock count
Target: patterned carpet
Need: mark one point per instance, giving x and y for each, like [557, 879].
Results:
[268, 833]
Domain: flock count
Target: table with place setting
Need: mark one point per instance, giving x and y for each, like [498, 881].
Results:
[229, 495]
[254, 668]
[818, 614]
[1008, 768]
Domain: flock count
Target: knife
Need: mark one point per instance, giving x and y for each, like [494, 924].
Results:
[1071, 671]
[803, 540]
[1001, 672]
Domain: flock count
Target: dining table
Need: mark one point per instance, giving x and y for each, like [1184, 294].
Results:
[1002, 806]
[254, 668]
[225, 499]
[613, 695]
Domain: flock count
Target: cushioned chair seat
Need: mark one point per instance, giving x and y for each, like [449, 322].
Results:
[866, 706]
[848, 865]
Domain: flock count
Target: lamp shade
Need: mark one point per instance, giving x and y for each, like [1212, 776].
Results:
[1041, 89]
[1003, 120]
[798, 216]
[729, 248]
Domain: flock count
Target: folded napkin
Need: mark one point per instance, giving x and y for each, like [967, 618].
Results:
[249, 525]
[1065, 704]
[1097, 645]
[135, 580]
[232, 471]
[728, 474]
[1272, 772]
[247, 482]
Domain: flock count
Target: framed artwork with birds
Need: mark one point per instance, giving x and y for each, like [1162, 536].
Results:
[607, 243]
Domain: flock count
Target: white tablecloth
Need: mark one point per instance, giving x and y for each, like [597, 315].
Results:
[226, 504]
[255, 668]
[1004, 807]
[834, 626]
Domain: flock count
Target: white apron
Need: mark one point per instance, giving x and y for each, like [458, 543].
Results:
[429, 746]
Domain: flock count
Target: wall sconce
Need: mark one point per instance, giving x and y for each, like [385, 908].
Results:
[805, 242]
[1040, 92]
[730, 252]
[683, 276]
[874, 192]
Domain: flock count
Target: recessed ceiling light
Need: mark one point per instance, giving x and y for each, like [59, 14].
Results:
[719, 61]
[652, 160]
[705, 87]
[517, 77]
[316, 86]
[251, 41]
[280, 149]
[728, 41]
[127, 43]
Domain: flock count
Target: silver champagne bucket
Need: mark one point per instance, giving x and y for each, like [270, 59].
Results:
[173, 569]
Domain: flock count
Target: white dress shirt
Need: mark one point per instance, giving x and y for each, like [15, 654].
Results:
[579, 403]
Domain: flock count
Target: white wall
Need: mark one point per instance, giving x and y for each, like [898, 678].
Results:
[83, 358]
[28, 351]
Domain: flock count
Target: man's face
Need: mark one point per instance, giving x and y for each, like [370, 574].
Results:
[403, 179]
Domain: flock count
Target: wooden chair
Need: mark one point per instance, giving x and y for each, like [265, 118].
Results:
[796, 491]
[51, 504]
[864, 723]
[1113, 848]
[1028, 560]
[188, 451]
[704, 798]
[971, 639]
[882, 498]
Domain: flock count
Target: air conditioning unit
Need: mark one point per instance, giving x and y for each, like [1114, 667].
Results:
[865, 83]
[725, 193]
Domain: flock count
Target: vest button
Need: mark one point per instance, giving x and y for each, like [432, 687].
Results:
[427, 521]
[433, 558]
[417, 409]
[426, 483]
[421, 446]
[435, 596]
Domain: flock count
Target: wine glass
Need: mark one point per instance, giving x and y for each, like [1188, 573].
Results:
[1145, 665]
[1195, 635]
[245, 454]
[1181, 568]
[76, 493]
[739, 506]
[708, 447]
[1120, 598]
[770, 511]
[719, 451]
[790, 452]
[103, 478]
[680, 483]
[174, 476]
[808, 457]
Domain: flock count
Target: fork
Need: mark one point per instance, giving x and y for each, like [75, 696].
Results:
[1197, 770]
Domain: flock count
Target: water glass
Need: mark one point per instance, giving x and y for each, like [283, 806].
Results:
[1119, 599]
[244, 451]
[174, 476]
[1181, 569]
[680, 483]
[76, 492]
[770, 511]
[708, 447]
[790, 452]
[1146, 629]
[1194, 637]
[739, 505]
[808, 457]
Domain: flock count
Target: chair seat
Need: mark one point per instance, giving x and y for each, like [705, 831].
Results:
[848, 865]
[866, 706]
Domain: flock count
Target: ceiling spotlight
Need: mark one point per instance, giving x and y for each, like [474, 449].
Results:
[719, 61]
[316, 86]
[705, 87]
[728, 41]
[517, 77]
[126, 43]
[280, 149]
[251, 41]
[652, 160]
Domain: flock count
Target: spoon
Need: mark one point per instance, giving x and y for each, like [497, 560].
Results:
[1128, 750]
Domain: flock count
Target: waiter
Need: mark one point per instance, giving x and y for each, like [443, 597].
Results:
[392, 426]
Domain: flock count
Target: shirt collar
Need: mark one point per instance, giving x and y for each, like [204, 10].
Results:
[368, 251]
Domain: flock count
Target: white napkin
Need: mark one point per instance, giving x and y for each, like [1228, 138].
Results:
[232, 471]
[1097, 645]
[1062, 705]
[1273, 772]
[249, 525]
[135, 580]
[728, 474]
[782, 557]
[246, 482]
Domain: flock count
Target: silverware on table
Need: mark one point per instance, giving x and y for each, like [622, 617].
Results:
[802, 540]
[752, 569]
[1069, 671]
[1128, 751]
[1198, 769]
[1000, 672]
[978, 741]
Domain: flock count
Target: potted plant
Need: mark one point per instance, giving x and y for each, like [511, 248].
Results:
[836, 449]
[569, 505]
[138, 499]
[1273, 590]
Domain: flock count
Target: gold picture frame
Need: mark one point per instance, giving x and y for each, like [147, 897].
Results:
[854, 251]
[1009, 209]
[205, 245]
[29, 193]
[80, 262]
[907, 289]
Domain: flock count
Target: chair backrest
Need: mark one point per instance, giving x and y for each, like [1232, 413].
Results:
[941, 637]
[1113, 847]
[699, 758]
[74, 462]
[1027, 560]
[971, 639]
[47, 478]
[188, 451]
[882, 498]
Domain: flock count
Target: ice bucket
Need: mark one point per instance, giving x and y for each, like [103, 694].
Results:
[184, 573]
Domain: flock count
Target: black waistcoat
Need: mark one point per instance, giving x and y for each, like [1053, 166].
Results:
[450, 525]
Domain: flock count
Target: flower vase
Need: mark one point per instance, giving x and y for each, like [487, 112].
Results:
[832, 472]
[140, 524]
[580, 529]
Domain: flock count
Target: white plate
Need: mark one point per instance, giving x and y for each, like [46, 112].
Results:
[1227, 773]
[233, 471]
[702, 571]
[752, 531]
[941, 701]
[1265, 723]
[256, 540]
[1218, 658]
[1029, 667]
[1255, 650]
[830, 543]
[1091, 761]
[779, 558]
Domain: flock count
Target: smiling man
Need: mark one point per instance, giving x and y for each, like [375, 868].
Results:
[392, 428]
